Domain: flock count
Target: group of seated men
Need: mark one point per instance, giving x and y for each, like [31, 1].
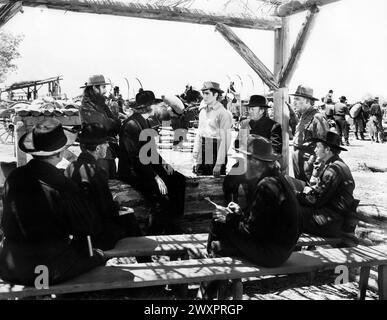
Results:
[65, 220]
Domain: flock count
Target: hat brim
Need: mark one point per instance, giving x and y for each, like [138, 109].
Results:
[254, 106]
[218, 90]
[304, 96]
[95, 84]
[270, 158]
[140, 106]
[328, 144]
[26, 144]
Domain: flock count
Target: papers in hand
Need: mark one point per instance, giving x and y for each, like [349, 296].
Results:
[123, 211]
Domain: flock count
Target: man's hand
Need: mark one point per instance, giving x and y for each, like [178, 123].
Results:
[321, 220]
[216, 170]
[162, 187]
[220, 214]
[168, 169]
[234, 207]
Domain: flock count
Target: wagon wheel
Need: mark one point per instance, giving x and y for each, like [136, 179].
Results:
[7, 131]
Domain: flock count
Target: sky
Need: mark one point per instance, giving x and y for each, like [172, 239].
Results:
[346, 51]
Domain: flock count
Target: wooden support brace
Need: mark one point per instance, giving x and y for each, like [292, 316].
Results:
[296, 6]
[291, 65]
[363, 282]
[8, 11]
[252, 60]
[382, 282]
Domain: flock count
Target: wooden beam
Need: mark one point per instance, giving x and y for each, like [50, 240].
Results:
[295, 54]
[252, 60]
[8, 11]
[296, 6]
[136, 10]
[281, 111]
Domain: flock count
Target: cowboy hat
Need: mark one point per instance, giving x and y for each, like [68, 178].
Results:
[212, 85]
[257, 101]
[93, 133]
[95, 80]
[259, 148]
[305, 92]
[145, 98]
[46, 138]
[332, 140]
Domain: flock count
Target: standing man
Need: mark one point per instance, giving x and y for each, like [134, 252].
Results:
[312, 124]
[329, 208]
[268, 230]
[45, 220]
[110, 223]
[258, 124]
[359, 119]
[377, 116]
[213, 138]
[95, 110]
[157, 182]
[340, 111]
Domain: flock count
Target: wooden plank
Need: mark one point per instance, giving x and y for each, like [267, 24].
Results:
[295, 54]
[252, 60]
[296, 6]
[8, 11]
[195, 271]
[178, 14]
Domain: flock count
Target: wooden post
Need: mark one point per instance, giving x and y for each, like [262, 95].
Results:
[281, 111]
[382, 282]
[20, 129]
[363, 282]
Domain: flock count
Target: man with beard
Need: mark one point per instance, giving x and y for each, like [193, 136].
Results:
[95, 110]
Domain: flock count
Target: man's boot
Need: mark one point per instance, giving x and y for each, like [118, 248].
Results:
[357, 137]
[346, 142]
[362, 135]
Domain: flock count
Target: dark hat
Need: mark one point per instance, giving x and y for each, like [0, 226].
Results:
[46, 138]
[211, 85]
[95, 80]
[145, 98]
[93, 133]
[259, 148]
[332, 139]
[343, 98]
[257, 101]
[305, 92]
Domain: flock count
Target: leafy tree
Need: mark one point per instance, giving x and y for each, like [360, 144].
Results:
[9, 44]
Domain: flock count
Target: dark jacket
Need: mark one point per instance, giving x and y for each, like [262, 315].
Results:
[42, 208]
[272, 215]
[93, 182]
[334, 189]
[130, 168]
[264, 127]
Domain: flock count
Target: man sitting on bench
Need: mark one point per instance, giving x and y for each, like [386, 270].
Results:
[328, 208]
[267, 231]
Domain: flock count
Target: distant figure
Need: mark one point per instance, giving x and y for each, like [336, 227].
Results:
[359, 119]
[329, 98]
[312, 124]
[340, 111]
[376, 116]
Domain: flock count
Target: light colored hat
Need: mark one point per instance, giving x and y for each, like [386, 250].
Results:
[95, 80]
[211, 85]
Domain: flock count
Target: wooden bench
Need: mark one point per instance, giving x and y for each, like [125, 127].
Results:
[181, 244]
[200, 270]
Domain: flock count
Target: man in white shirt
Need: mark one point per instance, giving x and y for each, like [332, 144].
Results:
[214, 133]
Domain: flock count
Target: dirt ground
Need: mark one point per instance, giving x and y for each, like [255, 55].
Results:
[368, 163]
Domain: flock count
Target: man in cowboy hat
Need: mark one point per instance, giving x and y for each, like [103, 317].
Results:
[259, 124]
[339, 113]
[213, 138]
[328, 208]
[94, 109]
[45, 220]
[312, 124]
[268, 230]
[157, 182]
[110, 223]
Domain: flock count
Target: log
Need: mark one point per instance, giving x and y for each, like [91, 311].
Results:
[252, 60]
[8, 11]
[296, 6]
[178, 14]
[295, 54]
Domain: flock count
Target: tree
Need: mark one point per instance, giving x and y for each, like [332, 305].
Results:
[9, 44]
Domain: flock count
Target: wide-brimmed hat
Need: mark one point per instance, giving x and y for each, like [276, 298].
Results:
[145, 98]
[95, 80]
[257, 101]
[175, 103]
[46, 138]
[211, 85]
[343, 98]
[305, 92]
[93, 133]
[259, 148]
[332, 140]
